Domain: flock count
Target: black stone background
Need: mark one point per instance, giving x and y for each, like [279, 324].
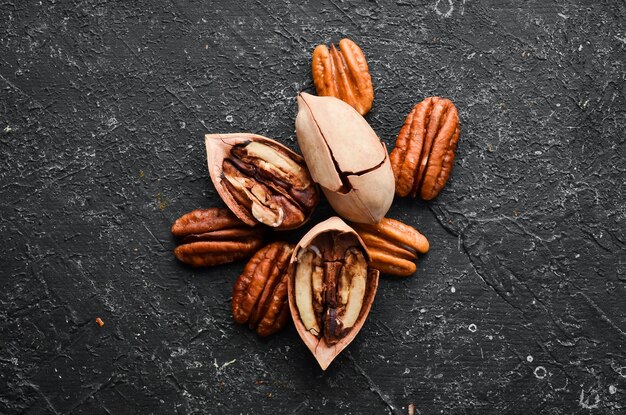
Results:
[518, 308]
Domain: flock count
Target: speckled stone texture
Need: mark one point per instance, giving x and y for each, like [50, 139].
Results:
[520, 307]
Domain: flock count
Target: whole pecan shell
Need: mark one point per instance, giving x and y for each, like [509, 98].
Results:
[343, 73]
[423, 157]
[393, 246]
[214, 236]
[260, 293]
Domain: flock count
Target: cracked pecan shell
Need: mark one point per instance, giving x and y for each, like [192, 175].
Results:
[343, 73]
[261, 180]
[423, 157]
[214, 236]
[260, 293]
[331, 288]
[392, 245]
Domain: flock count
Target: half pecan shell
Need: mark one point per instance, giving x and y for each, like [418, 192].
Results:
[261, 180]
[260, 293]
[393, 246]
[214, 236]
[343, 73]
[331, 288]
[423, 157]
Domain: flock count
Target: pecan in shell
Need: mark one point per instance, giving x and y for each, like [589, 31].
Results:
[214, 236]
[343, 73]
[260, 293]
[392, 245]
[261, 180]
[331, 288]
[423, 157]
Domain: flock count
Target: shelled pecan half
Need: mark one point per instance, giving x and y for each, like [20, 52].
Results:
[423, 157]
[260, 293]
[392, 245]
[343, 73]
[261, 180]
[331, 288]
[214, 236]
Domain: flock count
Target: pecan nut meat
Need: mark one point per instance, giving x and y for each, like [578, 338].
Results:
[214, 236]
[392, 245]
[260, 293]
[261, 180]
[423, 157]
[343, 73]
[331, 288]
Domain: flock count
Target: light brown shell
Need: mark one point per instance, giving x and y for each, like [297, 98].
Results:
[217, 149]
[345, 157]
[324, 353]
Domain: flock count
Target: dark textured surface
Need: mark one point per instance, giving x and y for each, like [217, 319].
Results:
[520, 307]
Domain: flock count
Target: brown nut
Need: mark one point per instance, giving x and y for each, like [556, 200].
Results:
[343, 73]
[214, 236]
[393, 246]
[261, 180]
[331, 288]
[260, 293]
[423, 157]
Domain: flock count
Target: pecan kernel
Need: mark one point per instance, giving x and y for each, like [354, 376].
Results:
[214, 236]
[392, 245]
[343, 73]
[260, 293]
[423, 157]
[331, 279]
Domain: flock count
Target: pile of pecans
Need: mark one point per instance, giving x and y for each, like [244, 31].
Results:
[327, 282]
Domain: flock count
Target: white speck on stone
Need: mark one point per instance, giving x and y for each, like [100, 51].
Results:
[529, 358]
[407, 371]
[564, 16]
[490, 337]
[558, 105]
[422, 310]
[452, 289]
[229, 118]
[540, 372]
[7, 129]
[612, 389]
[447, 13]
[471, 55]
[585, 403]
[472, 327]
[580, 48]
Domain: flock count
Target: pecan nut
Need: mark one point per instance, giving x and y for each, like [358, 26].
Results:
[260, 293]
[423, 157]
[214, 236]
[392, 245]
[331, 288]
[343, 73]
[261, 180]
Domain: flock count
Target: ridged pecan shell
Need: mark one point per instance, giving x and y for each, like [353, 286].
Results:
[423, 157]
[214, 236]
[260, 293]
[393, 246]
[343, 73]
